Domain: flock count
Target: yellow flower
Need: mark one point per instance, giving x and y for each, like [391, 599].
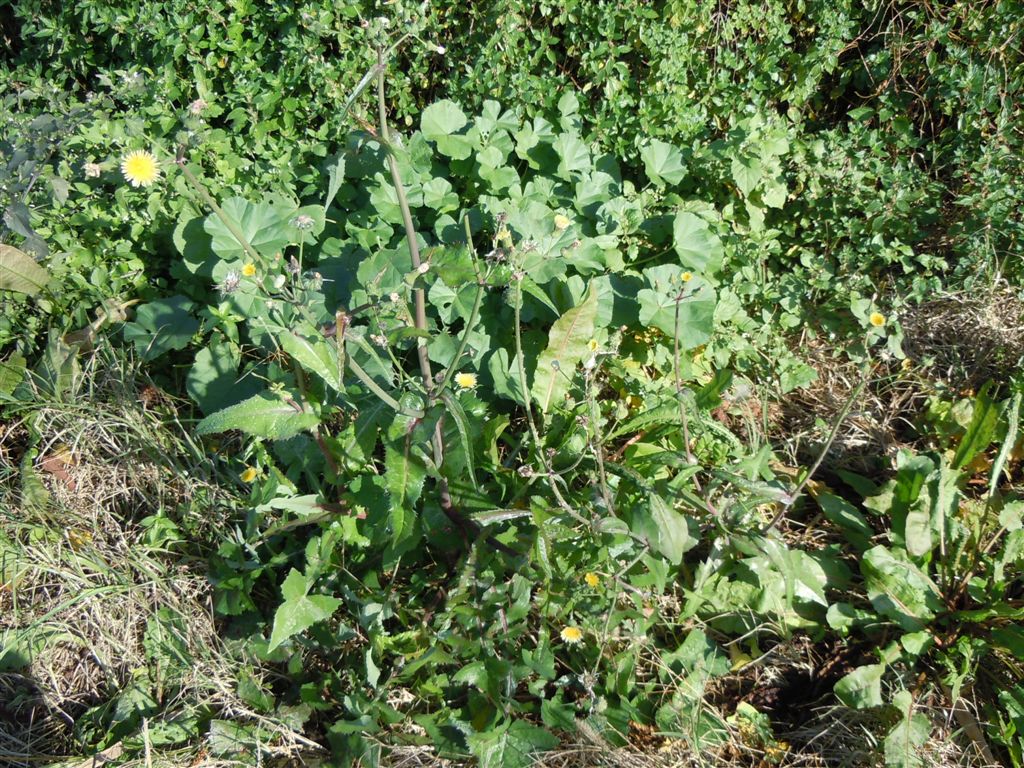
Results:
[592, 579]
[572, 635]
[686, 277]
[249, 475]
[907, 364]
[465, 380]
[249, 269]
[592, 345]
[140, 168]
[561, 221]
[877, 319]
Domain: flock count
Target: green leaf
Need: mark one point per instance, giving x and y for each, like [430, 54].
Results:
[663, 163]
[265, 415]
[981, 431]
[567, 346]
[336, 174]
[746, 172]
[848, 517]
[510, 745]
[212, 381]
[904, 742]
[264, 224]
[161, 326]
[404, 476]
[312, 351]
[898, 589]
[573, 155]
[299, 611]
[20, 273]
[458, 415]
[12, 371]
[862, 688]
[699, 249]
[693, 321]
[441, 123]
[667, 531]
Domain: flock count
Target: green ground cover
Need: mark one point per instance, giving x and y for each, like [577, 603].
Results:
[514, 383]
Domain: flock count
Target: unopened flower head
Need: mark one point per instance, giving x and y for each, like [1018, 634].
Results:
[140, 168]
[441, 50]
[303, 221]
[561, 221]
[197, 106]
[231, 282]
[92, 170]
[424, 268]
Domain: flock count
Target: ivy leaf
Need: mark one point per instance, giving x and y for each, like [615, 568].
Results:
[299, 611]
[263, 415]
[567, 346]
[663, 163]
[699, 249]
[20, 273]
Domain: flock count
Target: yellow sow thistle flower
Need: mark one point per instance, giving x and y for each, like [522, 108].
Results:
[140, 168]
[561, 221]
[592, 345]
[877, 319]
[465, 380]
[592, 579]
[249, 475]
[572, 635]
[686, 277]
[249, 269]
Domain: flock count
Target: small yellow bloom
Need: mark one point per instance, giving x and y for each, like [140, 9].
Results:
[907, 364]
[877, 319]
[140, 168]
[465, 380]
[592, 579]
[561, 222]
[686, 277]
[249, 269]
[572, 635]
[249, 474]
[592, 345]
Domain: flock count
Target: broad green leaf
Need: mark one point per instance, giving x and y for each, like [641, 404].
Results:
[699, 249]
[862, 688]
[264, 224]
[265, 415]
[510, 745]
[404, 476]
[904, 742]
[161, 326]
[573, 155]
[336, 174]
[212, 381]
[12, 371]
[746, 172]
[20, 273]
[663, 163]
[980, 432]
[898, 589]
[299, 611]
[442, 118]
[692, 321]
[567, 347]
[667, 531]
[313, 352]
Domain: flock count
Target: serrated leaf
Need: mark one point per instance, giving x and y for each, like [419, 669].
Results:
[312, 351]
[667, 531]
[336, 174]
[458, 415]
[663, 163]
[264, 415]
[698, 248]
[567, 346]
[404, 476]
[299, 611]
[898, 589]
[20, 273]
[861, 688]
[981, 430]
